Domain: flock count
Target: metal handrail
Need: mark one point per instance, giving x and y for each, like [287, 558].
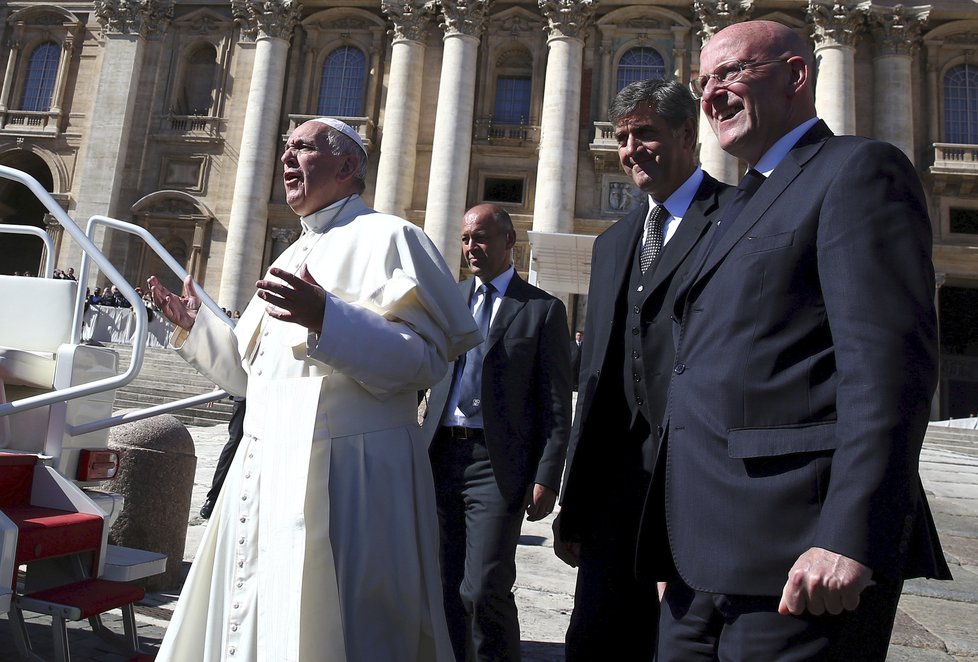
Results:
[6, 228]
[91, 253]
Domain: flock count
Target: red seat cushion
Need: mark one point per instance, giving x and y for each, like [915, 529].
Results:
[47, 532]
[91, 596]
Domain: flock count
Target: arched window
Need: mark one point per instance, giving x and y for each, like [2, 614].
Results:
[42, 69]
[341, 91]
[639, 63]
[197, 90]
[961, 105]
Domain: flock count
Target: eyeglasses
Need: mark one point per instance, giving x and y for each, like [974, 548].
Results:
[726, 74]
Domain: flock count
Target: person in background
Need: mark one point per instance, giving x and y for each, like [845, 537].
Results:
[499, 424]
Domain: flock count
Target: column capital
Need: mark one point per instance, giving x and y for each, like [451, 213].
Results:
[835, 24]
[896, 30]
[464, 17]
[286, 235]
[411, 18]
[568, 18]
[263, 18]
[146, 18]
[714, 15]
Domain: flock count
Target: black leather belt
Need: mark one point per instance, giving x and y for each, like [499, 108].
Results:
[458, 432]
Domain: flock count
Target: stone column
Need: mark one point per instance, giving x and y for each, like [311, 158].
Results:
[448, 181]
[606, 48]
[835, 31]
[271, 26]
[714, 16]
[568, 22]
[896, 33]
[933, 93]
[402, 113]
[12, 59]
[126, 28]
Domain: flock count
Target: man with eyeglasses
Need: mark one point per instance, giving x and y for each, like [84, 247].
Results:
[806, 358]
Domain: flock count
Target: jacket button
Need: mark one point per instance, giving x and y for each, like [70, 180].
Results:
[659, 430]
[635, 331]
[680, 368]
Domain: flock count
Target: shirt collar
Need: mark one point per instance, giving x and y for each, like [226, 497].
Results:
[500, 282]
[680, 200]
[319, 221]
[775, 155]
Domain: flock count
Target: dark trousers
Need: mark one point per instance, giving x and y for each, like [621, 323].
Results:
[479, 534]
[235, 433]
[615, 616]
[709, 626]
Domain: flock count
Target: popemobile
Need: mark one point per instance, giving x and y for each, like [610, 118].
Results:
[56, 402]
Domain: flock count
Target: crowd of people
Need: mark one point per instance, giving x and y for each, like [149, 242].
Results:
[738, 481]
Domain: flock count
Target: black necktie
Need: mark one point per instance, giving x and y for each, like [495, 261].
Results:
[470, 385]
[653, 237]
[751, 181]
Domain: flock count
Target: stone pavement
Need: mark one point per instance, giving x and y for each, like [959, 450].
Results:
[937, 621]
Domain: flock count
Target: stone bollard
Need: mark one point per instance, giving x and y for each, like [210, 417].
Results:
[156, 479]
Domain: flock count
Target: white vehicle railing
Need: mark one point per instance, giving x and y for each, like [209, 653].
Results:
[90, 254]
[40, 234]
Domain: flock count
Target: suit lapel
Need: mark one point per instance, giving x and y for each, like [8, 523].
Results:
[510, 305]
[784, 174]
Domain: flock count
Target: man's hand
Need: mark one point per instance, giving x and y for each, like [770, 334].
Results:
[541, 503]
[821, 581]
[182, 311]
[568, 552]
[296, 298]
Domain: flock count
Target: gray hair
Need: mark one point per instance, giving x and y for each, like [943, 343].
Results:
[340, 145]
[670, 100]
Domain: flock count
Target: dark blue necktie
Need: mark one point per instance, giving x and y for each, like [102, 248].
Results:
[751, 181]
[470, 385]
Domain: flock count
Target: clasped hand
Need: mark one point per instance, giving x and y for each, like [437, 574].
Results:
[822, 581]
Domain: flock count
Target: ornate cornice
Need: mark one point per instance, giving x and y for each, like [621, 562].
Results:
[467, 17]
[715, 15]
[411, 18]
[568, 18]
[896, 30]
[837, 24]
[146, 18]
[266, 18]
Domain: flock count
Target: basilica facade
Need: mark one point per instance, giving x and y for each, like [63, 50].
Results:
[172, 114]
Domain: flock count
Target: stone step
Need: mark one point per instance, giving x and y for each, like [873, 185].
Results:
[165, 377]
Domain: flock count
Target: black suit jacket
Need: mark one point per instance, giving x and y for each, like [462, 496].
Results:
[526, 389]
[596, 453]
[806, 359]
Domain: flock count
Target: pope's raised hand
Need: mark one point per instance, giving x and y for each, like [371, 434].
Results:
[181, 310]
[296, 298]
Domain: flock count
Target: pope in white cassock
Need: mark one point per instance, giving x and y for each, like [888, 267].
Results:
[323, 543]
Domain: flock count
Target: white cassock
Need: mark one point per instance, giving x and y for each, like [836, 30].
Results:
[323, 543]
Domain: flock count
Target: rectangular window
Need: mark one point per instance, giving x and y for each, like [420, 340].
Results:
[502, 189]
[512, 100]
[963, 221]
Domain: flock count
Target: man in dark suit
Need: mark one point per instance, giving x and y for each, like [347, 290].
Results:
[806, 359]
[500, 422]
[626, 366]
